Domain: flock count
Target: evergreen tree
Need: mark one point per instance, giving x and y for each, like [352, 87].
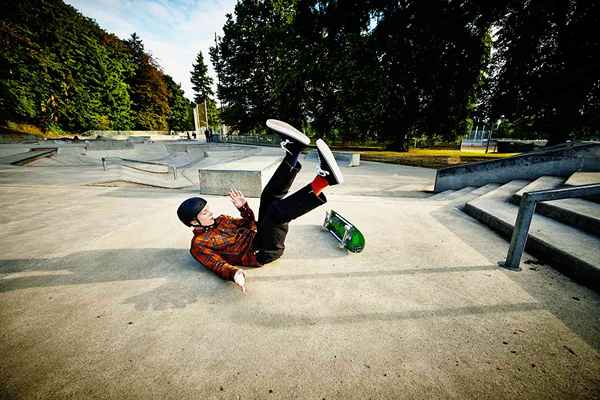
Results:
[250, 60]
[201, 82]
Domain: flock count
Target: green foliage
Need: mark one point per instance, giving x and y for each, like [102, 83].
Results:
[353, 70]
[391, 71]
[250, 61]
[59, 69]
[179, 118]
[547, 68]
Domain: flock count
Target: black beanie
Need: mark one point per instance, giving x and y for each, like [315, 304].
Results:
[189, 209]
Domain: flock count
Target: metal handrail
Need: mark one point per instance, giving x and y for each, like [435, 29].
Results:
[526, 209]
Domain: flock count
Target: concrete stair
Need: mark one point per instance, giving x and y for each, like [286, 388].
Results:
[563, 233]
[583, 178]
[579, 213]
[460, 201]
[452, 194]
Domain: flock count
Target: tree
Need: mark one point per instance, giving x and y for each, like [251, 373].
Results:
[249, 60]
[60, 70]
[149, 92]
[546, 68]
[353, 69]
[431, 57]
[179, 106]
[201, 82]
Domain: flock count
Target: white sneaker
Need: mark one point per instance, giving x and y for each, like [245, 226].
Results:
[293, 139]
[328, 167]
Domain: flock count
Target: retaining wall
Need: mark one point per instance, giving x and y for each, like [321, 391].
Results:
[562, 160]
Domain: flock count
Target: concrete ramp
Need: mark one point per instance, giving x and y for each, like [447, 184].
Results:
[28, 156]
[249, 175]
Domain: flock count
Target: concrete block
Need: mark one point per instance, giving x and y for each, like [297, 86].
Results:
[98, 145]
[249, 175]
[344, 158]
[138, 139]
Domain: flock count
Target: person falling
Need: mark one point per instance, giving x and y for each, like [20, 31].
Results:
[224, 242]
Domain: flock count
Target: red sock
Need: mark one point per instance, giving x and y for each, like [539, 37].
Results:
[318, 184]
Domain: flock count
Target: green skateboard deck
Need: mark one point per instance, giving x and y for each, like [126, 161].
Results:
[348, 236]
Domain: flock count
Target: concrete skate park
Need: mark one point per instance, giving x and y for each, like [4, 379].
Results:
[100, 298]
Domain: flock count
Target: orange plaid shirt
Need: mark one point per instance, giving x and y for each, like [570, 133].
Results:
[226, 243]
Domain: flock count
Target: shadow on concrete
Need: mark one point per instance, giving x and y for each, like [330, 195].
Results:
[186, 281]
[409, 194]
[149, 193]
[367, 274]
[322, 244]
[282, 321]
[575, 305]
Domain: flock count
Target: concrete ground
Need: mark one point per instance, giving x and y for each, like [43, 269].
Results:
[99, 298]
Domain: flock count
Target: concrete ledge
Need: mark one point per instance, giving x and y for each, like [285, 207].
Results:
[344, 158]
[249, 175]
[108, 145]
[27, 157]
[558, 161]
[138, 139]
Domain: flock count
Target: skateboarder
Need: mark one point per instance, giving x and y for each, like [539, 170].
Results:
[223, 242]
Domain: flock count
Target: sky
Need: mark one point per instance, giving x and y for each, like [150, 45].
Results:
[172, 31]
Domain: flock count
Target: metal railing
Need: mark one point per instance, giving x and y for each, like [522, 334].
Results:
[119, 160]
[526, 209]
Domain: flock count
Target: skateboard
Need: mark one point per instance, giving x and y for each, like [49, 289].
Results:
[348, 236]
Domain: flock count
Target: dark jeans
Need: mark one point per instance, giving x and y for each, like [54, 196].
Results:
[276, 212]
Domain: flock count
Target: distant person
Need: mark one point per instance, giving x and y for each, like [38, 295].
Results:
[194, 135]
[207, 134]
[223, 242]
[188, 135]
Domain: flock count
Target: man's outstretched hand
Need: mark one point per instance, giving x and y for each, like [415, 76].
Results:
[237, 198]
[240, 280]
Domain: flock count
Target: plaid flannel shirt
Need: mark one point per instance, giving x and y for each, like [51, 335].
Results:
[226, 243]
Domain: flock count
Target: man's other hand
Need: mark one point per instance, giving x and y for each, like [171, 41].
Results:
[237, 198]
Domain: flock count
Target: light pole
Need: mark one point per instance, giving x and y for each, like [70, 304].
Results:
[496, 126]
[205, 113]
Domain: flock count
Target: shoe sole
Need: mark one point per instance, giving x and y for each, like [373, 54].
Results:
[325, 151]
[288, 130]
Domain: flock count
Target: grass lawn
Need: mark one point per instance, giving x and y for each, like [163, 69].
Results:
[431, 158]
